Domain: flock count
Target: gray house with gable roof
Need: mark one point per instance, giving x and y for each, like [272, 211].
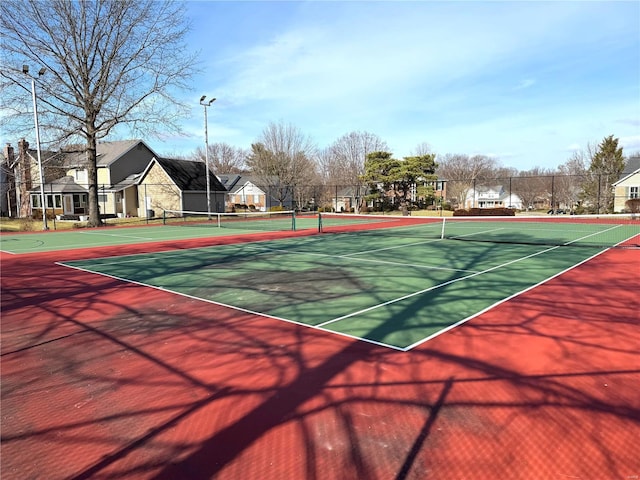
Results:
[169, 184]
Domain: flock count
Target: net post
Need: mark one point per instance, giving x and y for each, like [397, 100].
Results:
[164, 217]
[219, 220]
[293, 220]
[319, 222]
[444, 220]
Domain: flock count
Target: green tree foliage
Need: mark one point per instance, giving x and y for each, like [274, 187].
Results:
[400, 180]
[607, 163]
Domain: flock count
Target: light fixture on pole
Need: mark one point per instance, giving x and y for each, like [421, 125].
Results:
[206, 104]
[25, 70]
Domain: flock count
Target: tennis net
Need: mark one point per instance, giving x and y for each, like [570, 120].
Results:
[260, 221]
[602, 231]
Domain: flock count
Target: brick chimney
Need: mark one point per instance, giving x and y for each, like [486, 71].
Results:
[9, 154]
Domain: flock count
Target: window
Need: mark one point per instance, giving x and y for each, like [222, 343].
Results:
[634, 192]
[81, 176]
[79, 200]
[102, 198]
[54, 201]
[35, 201]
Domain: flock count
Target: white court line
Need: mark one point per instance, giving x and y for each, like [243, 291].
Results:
[234, 307]
[477, 233]
[466, 277]
[365, 252]
[464, 320]
[347, 257]
[434, 287]
[114, 235]
[321, 326]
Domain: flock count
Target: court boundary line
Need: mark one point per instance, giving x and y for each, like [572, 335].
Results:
[115, 235]
[477, 314]
[234, 307]
[321, 326]
[205, 232]
[349, 257]
[455, 280]
[435, 287]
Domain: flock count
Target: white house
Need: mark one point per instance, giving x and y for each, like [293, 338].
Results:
[492, 197]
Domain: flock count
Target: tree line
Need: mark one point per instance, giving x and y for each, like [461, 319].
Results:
[292, 166]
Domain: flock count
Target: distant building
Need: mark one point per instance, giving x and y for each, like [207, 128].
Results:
[168, 184]
[492, 197]
[628, 185]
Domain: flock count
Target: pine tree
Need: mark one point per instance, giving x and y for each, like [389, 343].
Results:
[606, 166]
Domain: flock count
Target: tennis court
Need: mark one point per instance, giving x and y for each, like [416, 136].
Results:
[190, 226]
[339, 347]
[395, 286]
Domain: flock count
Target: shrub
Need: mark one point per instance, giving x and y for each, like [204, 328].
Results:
[633, 205]
[26, 224]
[484, 212]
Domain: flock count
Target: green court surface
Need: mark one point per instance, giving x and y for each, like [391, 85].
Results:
[394, 291]
[106, 236]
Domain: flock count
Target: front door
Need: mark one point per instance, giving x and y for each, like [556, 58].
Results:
[67, 204]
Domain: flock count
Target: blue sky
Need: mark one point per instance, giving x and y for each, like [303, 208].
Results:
[527, 82]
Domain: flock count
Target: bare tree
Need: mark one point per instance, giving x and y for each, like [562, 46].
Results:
[284, 159]
[571, 176]
[349, 153]
[534, 186]
[462, 172]
[223, 158]
[422, 149]
[343, 163]
[108, 63]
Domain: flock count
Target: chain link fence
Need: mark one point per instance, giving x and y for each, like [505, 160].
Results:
[579, 194]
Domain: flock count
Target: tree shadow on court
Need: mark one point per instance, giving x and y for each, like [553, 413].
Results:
[174, 388]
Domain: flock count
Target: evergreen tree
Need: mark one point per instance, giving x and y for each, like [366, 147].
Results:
[606, 165]
[399, 179]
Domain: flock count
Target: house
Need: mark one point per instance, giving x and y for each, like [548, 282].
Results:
[132, 180]
[20, 176]
[66, 193]
[179, 185]
[344, 199]
[119, 165]
[492, 197]
[627, 187]
[254, 193]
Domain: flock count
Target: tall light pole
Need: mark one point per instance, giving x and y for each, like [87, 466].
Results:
[25, 70]
[206, 104]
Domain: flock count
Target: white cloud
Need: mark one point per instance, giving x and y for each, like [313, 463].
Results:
[465, 77]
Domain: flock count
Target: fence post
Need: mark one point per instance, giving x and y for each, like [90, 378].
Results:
[53, 204]
[599, 191]
[475, 195]
[146, 210]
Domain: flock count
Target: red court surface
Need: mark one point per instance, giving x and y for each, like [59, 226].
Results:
[107, 380]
